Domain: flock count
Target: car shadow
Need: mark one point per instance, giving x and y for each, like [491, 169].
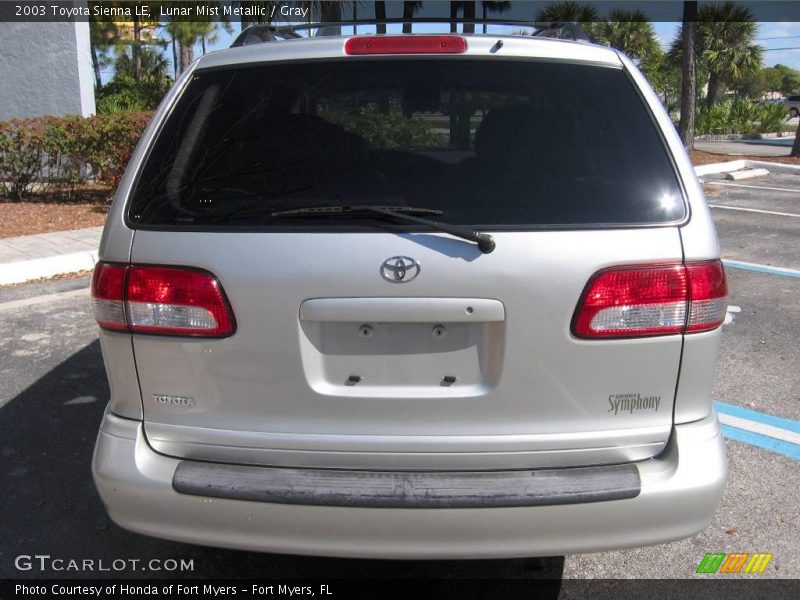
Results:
[50, 506]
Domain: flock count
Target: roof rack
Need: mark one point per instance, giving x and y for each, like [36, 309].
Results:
[264, 33]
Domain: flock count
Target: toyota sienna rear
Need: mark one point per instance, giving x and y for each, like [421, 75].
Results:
[411, 296]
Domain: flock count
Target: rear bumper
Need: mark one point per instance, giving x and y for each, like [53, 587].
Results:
[678, 495]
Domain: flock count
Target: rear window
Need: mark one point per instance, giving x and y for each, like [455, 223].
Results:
[493, 144]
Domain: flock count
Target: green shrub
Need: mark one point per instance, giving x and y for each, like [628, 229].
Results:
[126, 94]
[772, 118]
[21, 156]
[742, 116]
[714, 120]
[39, 154]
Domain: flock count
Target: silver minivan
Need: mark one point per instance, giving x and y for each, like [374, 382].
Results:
[411, 296]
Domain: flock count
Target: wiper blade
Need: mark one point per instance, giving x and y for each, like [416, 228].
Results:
[484, 241]
[344, 210]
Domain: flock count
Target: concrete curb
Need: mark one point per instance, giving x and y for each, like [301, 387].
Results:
[745, 163]
[747, 174]
[60, 264]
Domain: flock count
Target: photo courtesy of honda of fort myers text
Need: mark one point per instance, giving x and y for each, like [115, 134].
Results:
[399, 299]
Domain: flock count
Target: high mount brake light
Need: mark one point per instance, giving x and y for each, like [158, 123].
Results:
[161, 300]
[650, 300]
[412, 44]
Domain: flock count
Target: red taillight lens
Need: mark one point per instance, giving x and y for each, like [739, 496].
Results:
[708, 295]
[173, 301]
[641, 301]
[161, 300]
[413, 44]
[108, 286]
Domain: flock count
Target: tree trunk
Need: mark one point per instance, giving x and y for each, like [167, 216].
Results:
[137, 48]
[203, 43]
[469, 15]
[187, 56]
[408, 13]
[688, 75]
[380, 15]
[796, 146]
[98, 81]
[175, 65]
[331, 13]
[713, 89]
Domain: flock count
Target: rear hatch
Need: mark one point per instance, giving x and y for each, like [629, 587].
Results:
[365, 341]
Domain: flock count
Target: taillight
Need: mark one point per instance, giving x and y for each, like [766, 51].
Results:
[161, 300]
[640, 301]
[412, 44]
[708, 295]
[108, 286]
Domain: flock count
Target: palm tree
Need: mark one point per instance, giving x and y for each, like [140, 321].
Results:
[409, 8]
[152, 64]
[568, 12]
[723, 45]
[469, 15]
[725, 36]
[380, 15]
[630, 32]
[188, 33]
[103, 35]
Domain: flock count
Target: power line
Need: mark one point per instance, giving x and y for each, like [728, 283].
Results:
[780, 37]
[789, 48]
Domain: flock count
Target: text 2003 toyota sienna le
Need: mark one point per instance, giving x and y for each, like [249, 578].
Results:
[411, 296]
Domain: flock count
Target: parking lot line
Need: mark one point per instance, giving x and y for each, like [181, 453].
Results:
[762, 441]
[759, 429]
[747, 266]
[759, 417]
[755, 210]
[752, 187]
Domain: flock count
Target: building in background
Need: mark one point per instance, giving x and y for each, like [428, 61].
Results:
[45, 69]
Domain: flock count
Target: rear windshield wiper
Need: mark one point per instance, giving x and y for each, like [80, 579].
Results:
[484, 241]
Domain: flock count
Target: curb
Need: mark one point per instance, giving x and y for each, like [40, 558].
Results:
[38, 268]
[745, 163]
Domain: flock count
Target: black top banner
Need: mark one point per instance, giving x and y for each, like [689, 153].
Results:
[255, 11]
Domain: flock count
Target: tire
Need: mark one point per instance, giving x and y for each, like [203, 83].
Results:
[793, 112]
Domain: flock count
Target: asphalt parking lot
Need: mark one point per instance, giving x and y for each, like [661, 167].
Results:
[53, 390]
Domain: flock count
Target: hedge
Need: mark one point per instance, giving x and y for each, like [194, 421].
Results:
[40, 154]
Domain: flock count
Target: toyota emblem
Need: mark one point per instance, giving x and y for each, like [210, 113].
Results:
[399, 269]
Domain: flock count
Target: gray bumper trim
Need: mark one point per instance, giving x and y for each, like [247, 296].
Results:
[395, 489]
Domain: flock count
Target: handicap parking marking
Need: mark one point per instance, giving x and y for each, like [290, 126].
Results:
[758, 268]
[776, 434]
[762, 441]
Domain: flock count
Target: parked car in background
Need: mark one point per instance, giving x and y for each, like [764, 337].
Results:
[792, 104]
[411, 296]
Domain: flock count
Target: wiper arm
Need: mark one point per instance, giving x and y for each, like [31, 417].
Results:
[484, 241]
